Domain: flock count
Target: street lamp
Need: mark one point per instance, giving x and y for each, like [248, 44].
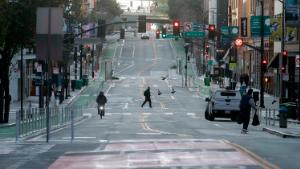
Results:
[186, 47]
[282, 48]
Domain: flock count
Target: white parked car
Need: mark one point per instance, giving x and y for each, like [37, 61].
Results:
[223, 103]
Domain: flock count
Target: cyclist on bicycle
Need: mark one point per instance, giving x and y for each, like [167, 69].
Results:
[101, 100]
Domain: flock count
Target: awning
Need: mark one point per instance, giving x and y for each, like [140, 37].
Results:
[274, 62]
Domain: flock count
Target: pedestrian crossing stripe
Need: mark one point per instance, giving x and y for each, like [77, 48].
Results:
[148, 114]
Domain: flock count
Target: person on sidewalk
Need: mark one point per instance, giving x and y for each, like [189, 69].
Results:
[147, 97]
[247, 102]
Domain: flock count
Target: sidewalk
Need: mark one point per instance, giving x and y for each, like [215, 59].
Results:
[34, 101]
[293, 126]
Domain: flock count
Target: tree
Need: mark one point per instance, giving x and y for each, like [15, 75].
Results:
[17, 29]
[107, 9]
[187, 10]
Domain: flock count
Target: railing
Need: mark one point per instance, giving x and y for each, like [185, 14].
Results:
[268, 116]
[34, 120]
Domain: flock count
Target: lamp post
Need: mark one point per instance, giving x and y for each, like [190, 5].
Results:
[282, 49]
[186, 47]
[262, 51]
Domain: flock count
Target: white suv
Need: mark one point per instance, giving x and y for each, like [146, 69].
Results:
[223, 103]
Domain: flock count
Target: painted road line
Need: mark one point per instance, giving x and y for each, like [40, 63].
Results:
[172, 97]
[79, 138]
[148, 133]
[126, 68]
[125, 106]
[145, 155]
[110, 86]
[190, 114]
[133, 51]
[169, 114]
[218, 125]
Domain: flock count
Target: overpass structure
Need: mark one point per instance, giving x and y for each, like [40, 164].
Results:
[163, 19]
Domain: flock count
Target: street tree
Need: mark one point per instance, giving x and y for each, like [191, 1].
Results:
[187, 10]
[17, 29]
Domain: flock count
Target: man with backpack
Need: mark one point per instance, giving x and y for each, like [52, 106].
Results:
[247, 102]
[147, 97]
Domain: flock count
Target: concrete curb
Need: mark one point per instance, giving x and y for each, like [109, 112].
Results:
[263, 163]
[279, 133]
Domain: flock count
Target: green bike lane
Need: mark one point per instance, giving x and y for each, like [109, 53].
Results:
[86, 98]
[197, 82]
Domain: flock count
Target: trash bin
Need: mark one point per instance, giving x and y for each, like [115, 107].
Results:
[85, 80]
[283, 117]
[291, 109]
[78, 84]
[207, 81]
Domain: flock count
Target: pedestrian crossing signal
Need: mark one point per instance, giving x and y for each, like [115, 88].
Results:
[176, 28]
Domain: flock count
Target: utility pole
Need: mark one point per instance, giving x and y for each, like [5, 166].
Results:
[282, 49]
[22, 83]
[262, 51]
[186, 47]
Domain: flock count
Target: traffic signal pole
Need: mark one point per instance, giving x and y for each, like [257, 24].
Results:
[262, 51]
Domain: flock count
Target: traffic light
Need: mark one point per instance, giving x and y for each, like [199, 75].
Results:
[238, 42]
[176, 27]
[211, 31]
[284, 57]
[157, 34]
[283, 69]
[101, 31]
[164, 33]
[264, 65]
[142, 23]
[284, 53]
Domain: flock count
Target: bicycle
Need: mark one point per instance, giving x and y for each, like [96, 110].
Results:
[101, 111]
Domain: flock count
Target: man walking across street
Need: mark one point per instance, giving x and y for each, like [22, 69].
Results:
[246, 103]
[147, 97]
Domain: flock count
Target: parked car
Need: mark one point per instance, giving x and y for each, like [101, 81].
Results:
[145, 36]
[223, 103]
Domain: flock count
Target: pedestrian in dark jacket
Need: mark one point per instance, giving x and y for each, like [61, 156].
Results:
[147, 97]
[246, 103]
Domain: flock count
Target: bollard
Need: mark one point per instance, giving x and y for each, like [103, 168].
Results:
[266, 116]
[18, 125]
[72, 126]
[274, 117]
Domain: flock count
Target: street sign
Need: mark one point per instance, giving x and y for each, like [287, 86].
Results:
[197, 27]
[228, 33]
[194, 34]
[171, 36]
[244, 27]
[187, 26]
[256, 25]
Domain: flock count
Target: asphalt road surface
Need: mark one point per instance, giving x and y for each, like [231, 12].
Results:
[173, 134]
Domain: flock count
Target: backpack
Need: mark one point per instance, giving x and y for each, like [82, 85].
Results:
[244, 104]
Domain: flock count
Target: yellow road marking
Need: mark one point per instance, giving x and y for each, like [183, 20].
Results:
[264, 163]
